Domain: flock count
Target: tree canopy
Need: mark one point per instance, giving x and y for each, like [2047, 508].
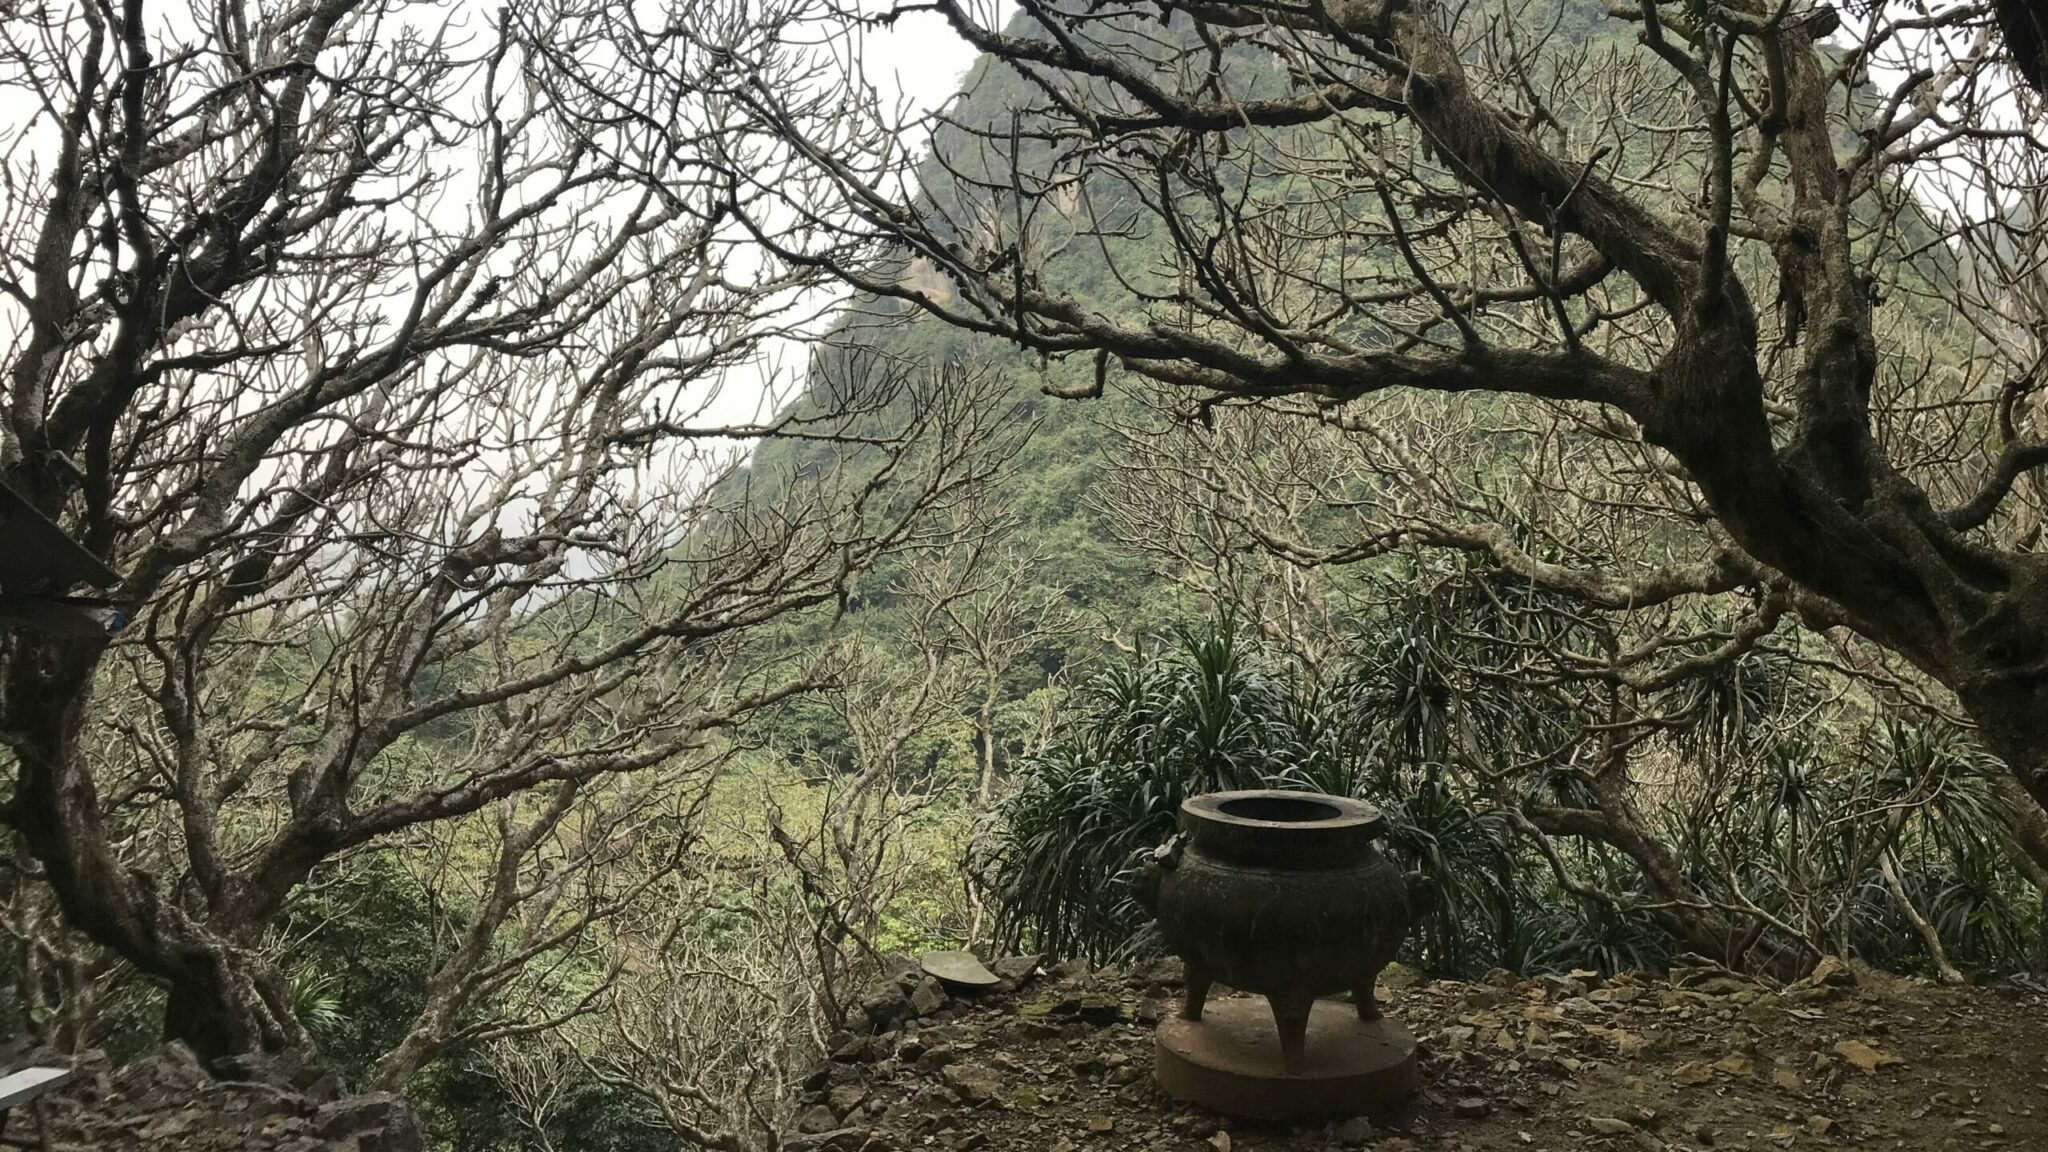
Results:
[380, 357]
[1767, 268]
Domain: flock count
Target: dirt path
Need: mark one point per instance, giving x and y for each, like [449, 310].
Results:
[1856, 1060]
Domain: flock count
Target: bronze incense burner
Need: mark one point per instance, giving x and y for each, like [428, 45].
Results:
[1283, 894]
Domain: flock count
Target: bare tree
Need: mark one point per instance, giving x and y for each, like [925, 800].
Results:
[60, 982]
[378, 348]
[773, 931]
[973, 602]
[1748, 774]
[853, 855]
[1772, 266]
[537, 948]
[1234, 514]
[737, 961]
[536, 1079]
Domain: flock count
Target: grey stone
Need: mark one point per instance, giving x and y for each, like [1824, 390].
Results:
[834, 1140]
[928, 997]
[859, 1050]
[166, 1099]
[960, 970]
[935, 1057]
[846, 1098]
[379, 1122]
[973, 1083]
[1353, 1132]
[886, 1009]
[818, 1118]
[901, 970]
[1471, 1107]
[1167, 972]
[1019, 969]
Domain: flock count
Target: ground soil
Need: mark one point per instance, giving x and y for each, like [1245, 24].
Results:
[1707, 1060]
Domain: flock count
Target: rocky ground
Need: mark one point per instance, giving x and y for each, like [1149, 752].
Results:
[1059, 1061]
[166, 1102]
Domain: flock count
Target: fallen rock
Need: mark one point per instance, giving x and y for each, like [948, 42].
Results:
[961, 970]
[379, 1122]
[1098, 1008]
[1693, 1072]
[836, 1140]
[928, 997]
[1397, 976]
[846, 1097]
[1166, 972]
[851, 1049]
[887, 1008]
[1354, 1132]
[1017, 969]
[1831, 979]
[1485, 996]
[166, 1099]
[1722, 986]
[1864, 1056]
[1735, 1064]
[1832, 971]
[972, 1083]
[817, 1118]
[1471, 1107]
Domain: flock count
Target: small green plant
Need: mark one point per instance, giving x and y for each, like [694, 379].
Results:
[1198, 716]
[316, 999]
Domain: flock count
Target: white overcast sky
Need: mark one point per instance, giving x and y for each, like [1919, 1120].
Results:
[921, 59]
[923, 56]
[918, 58]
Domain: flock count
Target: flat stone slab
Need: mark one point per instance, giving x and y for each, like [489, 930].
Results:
[29, 1083]
[962, 970]
[1229, 1062]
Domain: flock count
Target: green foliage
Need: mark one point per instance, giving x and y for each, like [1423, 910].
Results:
[1144, 735]
[316, 999]
[366, 944]
[1208, 713]
[1772, 808]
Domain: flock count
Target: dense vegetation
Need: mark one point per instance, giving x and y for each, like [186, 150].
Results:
[1847, 832]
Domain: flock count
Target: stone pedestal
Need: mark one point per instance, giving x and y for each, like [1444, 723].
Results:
[1229, 1062]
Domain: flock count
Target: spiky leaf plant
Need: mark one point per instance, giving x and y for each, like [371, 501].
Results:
[1198, 716]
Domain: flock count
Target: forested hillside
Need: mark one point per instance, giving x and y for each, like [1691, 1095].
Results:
[1552, 703]
[1109, 509]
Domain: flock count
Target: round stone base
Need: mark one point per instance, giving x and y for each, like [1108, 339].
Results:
[1229, 1062]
